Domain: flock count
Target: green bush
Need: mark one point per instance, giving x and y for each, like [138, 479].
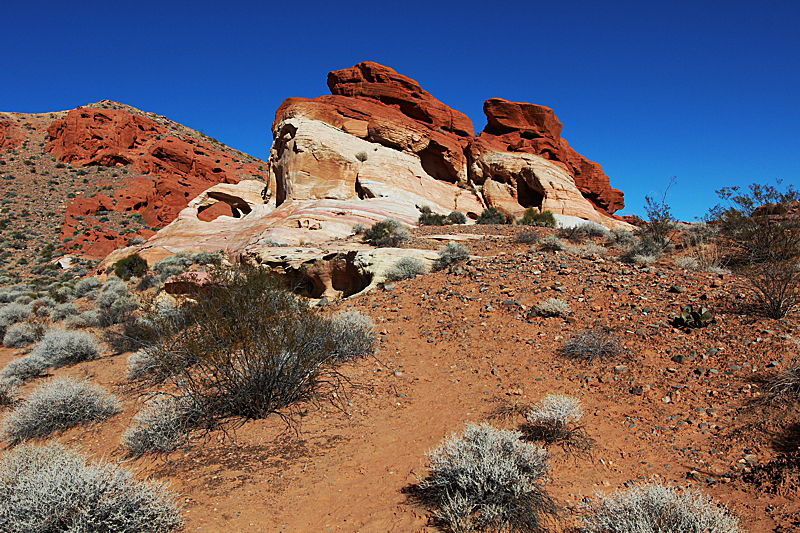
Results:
[457, 217]
[429, 218]
[386, 233]
[532, 217]
[492, 215]
[132, 266]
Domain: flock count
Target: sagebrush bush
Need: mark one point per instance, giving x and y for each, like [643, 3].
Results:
[488, 479]
[50, 489]
[590, 344]
[533, 217]
[22, 334]
[86, 286]
[30, 366]
[142, 363]
[582, 231]
[658, 508]
[386, 233]
[160, 427]
[550, 307]
[492, 215]
[527, 237]
[61, 348]
[208, 258]
[61, 404]
[405, 268]
[646, 250]
[8, 390]
[551, 243]
[591, 249]
[449, 254]
[353, 334]
[620, 238]
[62, 311]
[554, 420]
[13, 313]
[173, 265]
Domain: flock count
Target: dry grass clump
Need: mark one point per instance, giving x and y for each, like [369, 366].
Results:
[590, 344]
[8, 391]
[50, 488]
[550, 308]
[657, 508]
[527, 237]
[488, 480]
[784, 386]
[57, 406]
[406, 268]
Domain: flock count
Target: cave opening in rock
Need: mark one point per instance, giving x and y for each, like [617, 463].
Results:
[528, 196]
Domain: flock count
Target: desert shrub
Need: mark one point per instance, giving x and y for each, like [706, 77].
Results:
[488, 479]
[86, 285]
[207, 258]
[582, 231]
[784, 386]
[492, 215]
[450, 254]
[92, 317]
[61, 404]
[61, 293]
[353, 334]
[22, 334]
[142, 363]
[660, 225]
[115, 303]
[620, 238]
[41, 306]
[554, 420]
[23, 299]
[429, 218]
[49, 488]
[173, 265]
[358, 229]
[8, 390]
[13, 313]
[62, 348]
[550, 307]
[457, 217]
[527, 237]
[644, 248]
[160, 427]
[386, 233]
[592, 344]
[532, 217]
[762, 239]
[114, 285]
[551, 243]
[62, 311]
[23, 368]
[591, 249]
[249, 347]
[405, 268]
[655, 507]
[687, 263]
[132, 266]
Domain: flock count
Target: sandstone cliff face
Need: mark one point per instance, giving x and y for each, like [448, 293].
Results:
[10, 135]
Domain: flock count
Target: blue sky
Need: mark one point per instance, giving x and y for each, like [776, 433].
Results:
[703, 91]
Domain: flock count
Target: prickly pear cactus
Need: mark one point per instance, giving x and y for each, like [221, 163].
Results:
[688, 318]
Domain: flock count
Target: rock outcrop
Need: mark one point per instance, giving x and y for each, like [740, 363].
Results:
[165, 171]
[10, 134]
[520, 128]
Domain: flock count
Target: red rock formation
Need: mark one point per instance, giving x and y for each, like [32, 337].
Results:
[10, 135]
[534, 129]
[168, 172]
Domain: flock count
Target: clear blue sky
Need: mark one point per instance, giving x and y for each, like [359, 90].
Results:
[708, 92]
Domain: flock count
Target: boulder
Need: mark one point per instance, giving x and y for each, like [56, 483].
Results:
[10, 135]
